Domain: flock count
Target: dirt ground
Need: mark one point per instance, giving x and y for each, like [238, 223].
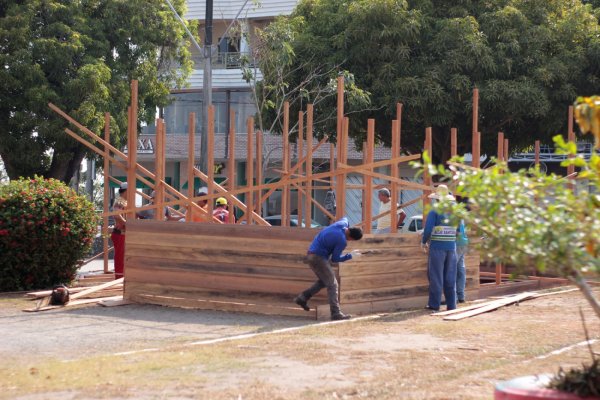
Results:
[151, 352]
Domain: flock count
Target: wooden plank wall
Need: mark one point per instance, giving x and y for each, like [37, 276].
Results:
[392, 274]
[260, 269]
[215, 266]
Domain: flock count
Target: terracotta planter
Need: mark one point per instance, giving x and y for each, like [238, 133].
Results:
[531, 388]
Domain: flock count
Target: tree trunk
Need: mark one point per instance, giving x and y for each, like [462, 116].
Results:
[65, 164]
[581, 283]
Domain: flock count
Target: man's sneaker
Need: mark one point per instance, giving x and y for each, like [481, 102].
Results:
[302, 303]
[461, 300]
[340, 316]
[432, 309]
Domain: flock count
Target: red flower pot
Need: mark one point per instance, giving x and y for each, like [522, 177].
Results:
[531, 388]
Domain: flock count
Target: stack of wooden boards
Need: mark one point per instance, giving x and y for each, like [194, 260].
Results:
[487, 306]
[110, 293]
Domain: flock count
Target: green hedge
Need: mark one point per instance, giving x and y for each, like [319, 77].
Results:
[45, 230]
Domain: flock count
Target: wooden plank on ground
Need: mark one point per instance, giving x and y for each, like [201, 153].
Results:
[115, 302]
[95, 289]
[73, 303]
[490, 307]
[44, 293]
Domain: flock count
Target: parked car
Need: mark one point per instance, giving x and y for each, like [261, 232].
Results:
[275, 220]
[413, 224]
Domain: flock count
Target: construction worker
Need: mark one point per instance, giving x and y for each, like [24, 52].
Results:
[221, 211]
[118, 234]
[202, 203]
[384, 223]
[326, 248]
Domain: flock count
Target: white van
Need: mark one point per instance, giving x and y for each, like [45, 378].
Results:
[412, 224]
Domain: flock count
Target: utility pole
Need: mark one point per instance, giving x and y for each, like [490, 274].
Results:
[206, 85]
[206, 51]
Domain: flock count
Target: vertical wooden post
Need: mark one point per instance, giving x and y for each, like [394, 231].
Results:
[341, 196]
[340, 115]
[506, 150]
[249, 171]
[190, 167]
[500, 154]
[107, 190]
[300, 168]
[285, 193]
[132, 151]
[453, 142]
[210, 157]
[475, 151]
[571, 138]
[537, 152]
[363, 194]
[309, 166]
[231, 161]
[368, 201]
[160, 170]
[340, 185]
[399, 119]
[426, 177]
[259, 166]
[394, 173]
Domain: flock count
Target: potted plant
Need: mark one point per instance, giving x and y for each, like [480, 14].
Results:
[529, 218]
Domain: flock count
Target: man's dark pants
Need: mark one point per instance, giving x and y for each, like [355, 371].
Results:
[323, 270]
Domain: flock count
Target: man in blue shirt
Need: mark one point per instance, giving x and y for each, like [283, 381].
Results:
[326, 248]
[441, 268]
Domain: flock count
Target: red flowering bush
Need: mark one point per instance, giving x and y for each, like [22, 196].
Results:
[45, 230]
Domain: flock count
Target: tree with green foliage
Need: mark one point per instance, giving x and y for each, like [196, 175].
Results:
[529, 59]
[274, 81]
[81, 55]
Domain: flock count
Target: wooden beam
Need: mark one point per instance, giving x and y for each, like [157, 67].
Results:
[250, 172]
[159, 170]
[285, 193]
[191, 165]
[259, 167]
[368, 202]
[309, 165]
[571, 138]
[394, 173]
[453, 142]
[132, 151]
[300, 163]
[500, 154]
[475, 128]
[210, 155]
[231, 160]
[107, 190]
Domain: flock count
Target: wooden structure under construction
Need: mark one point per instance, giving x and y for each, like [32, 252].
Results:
[252, 266]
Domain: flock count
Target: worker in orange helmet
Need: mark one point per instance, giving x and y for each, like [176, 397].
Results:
[221, 211]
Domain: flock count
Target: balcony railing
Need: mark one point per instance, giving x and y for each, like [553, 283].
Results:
[547, 153]
[225, 60]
